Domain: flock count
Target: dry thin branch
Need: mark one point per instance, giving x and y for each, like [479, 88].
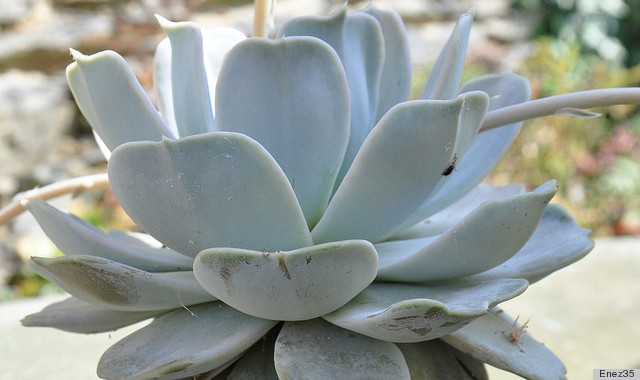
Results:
[90, 182]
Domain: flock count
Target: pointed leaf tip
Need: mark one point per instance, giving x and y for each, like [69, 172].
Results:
[162, 20]
[76, 54]
[219, 189]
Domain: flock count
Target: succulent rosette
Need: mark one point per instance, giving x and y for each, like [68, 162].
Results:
[320, 226]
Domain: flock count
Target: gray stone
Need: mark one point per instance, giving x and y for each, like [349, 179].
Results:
[35, 111]
[43, 37]
[14, 10]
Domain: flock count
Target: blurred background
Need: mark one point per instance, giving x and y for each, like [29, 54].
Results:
[560, 45]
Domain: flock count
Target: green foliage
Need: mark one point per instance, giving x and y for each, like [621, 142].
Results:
[597, 161]
[600, 27]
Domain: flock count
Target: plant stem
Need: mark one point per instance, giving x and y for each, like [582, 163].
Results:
[260, 14]
[553, 104]
[89, 182]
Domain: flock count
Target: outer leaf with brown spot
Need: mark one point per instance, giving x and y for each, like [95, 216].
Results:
[118, 286]
[414, 313]
[288, 285]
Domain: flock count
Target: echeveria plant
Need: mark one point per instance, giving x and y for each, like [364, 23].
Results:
[321, 225]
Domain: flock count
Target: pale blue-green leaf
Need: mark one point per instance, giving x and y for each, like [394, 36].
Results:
[219, 189]
[290, 95]
[447, 218]
[414, 313]
[488, 147]
[557, 242]
[397, 169]
[74, 236]
[183, 343]
[162, 84]
[484, 239]
[257, 363]
[316, 349]
[435, 360]
[444, 78]
[469, 122]
[216, 43]
[489, 339]
[395, 83]
[358, 40]
[192, 107]
[117, 286]
[75, 315]
[288, 285]
[111, 99]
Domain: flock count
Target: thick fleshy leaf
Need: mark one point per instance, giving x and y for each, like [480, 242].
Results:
[491, 340]
[183, 343]
[216, 44]
[414, 313]
[395, 82]
[162, 84]
[444, 78]
[557, 242]
[288, 285]
[219, 189]
[111, 99]
[358, 40]
[468, 125]
[120, 287]
[450, 216]
[192, 107]
[400, 164]
[488, 147]
[290, 95]
[74, 236]
[257, 363]
[318, 350]
[435, 360]
[75, 315]
[484, 239]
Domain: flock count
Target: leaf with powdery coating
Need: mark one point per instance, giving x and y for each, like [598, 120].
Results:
[121, 287]
[398, 167]
[75, 315]
[112, 100]
[76, 237]
[316, 349]
[436, 360]
[414, 313]
[218, 189]
[183, 343]
[485, 238]
[495, 340]
[308, 135]
[288, 285]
